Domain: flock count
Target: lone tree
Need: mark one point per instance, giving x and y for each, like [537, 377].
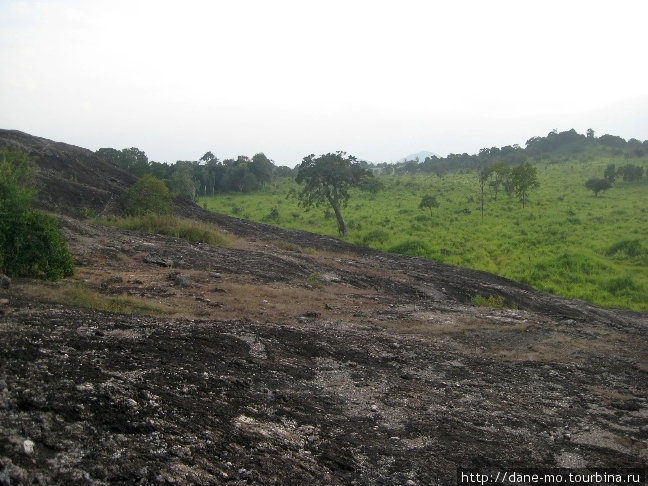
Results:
[484, 174]
[525, 178]
[597, 185]
[428, 202]
[327, 180]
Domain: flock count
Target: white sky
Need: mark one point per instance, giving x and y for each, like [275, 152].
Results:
[377, 79]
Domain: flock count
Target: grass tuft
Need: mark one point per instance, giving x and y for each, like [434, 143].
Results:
[493, 301]
[175, 227]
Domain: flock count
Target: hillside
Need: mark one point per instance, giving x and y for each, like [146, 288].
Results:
[287, 358]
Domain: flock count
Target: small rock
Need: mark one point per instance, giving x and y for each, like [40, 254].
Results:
[310, 314]
[28, 447]
[644, 430]
[410, 483]
[130, 403]
[374, 408]
[215, 275]
[180, 279]
[85, 387]
[5, 282]
[244, 473]
[163, 262]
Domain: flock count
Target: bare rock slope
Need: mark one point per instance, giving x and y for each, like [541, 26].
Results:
[288, 358]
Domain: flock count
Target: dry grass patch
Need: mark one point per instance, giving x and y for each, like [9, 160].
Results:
[80, 295]
[185, 229]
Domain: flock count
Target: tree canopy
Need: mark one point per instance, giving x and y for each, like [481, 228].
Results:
[327, 180]
[597, 185]
[149, 195]
[525, 178]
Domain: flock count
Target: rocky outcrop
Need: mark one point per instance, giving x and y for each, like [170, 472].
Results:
[71, 179]
[257, 365]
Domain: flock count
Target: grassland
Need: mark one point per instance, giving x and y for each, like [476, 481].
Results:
[566, 241]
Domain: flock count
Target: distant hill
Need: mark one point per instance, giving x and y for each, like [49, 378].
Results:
[421, 156]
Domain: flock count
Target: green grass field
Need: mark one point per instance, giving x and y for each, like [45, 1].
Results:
[566, 241]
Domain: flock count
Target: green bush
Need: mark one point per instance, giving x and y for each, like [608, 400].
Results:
[30, 243]
[413, 247]
[149, 195]
[631, 248]
[375, 236]
[493, 301]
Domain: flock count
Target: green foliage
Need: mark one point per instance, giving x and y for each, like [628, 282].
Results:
[429, 202]
[327, 180]
[87, 213]
[524, 178]
[30, 243]
[375, 236]
[631, 172]
[272, 216]
[372, 185]
[493, 301]
[412, 247]
[597, 185]
[182, 182]
[628, 248]
[149, 195]
[610, 173]
[315, 279]
[521, 244]
[131, 159]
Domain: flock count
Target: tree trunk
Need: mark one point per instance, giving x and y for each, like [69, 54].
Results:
[340, 221]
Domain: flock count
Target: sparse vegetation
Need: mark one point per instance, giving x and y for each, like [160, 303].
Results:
[172, 226]
[315, 279]
[82, 296]
[494, 301]
[521, 244]
[30, 243]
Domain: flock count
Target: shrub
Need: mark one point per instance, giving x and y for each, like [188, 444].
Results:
[272, 216]
[631, 248]
[375, 236]
[496, 302]
[30, 243]
[149, 195]
[315, 279]
[413, 247]
[176, 227]
[620, 285]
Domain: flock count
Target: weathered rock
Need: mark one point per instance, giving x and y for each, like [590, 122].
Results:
[157, 260]
[395, 382]
[5, 282]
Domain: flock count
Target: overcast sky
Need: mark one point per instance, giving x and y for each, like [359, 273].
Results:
[377, 79]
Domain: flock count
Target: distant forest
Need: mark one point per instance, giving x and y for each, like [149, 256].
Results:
[210, 175]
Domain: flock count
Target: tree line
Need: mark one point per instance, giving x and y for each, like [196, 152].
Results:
[203, 177]
[555, 145]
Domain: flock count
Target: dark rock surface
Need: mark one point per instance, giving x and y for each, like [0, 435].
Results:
[381, 374]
